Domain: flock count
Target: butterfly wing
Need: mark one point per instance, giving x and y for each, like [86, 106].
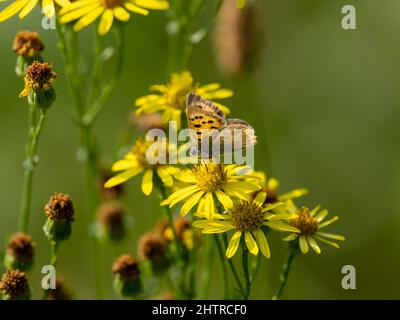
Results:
[238, 135]
[203, 117]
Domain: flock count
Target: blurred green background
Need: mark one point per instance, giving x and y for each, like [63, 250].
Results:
[325, 105]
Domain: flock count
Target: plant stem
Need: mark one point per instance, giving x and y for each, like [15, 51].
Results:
[54, 251]
[285, 275]
[29, 166]
[245, 265]
[223, 267]
[232, 267]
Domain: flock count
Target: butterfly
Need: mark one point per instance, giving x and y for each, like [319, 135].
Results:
[212, 133]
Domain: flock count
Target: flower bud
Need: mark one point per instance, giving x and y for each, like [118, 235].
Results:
[19, 252]
[60, 214]
[62, 290]
[28, 46]
[39, 89]
[153, 249]
[110, 221]
[127, 281]
[14, 286]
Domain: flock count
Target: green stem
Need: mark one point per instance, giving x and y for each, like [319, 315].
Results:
[107, 89]
[223, 266]
[54, 251]
[245, 265]
[285, 275]
[232, 267]
[29, 165]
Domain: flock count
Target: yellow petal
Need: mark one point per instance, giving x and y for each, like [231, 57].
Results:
[331, 236]
[153, 4]
[131, 7]
[48, 8]
[327, 223]
[291, 237]
[224, 199]
[182, 194]
[209, 204]
[147, 182]
[28, 8]
[272, 184]
[280, 226]
[293, 194]
[241, 3]
[12, 9]
[106, 22]
[121, 14]
[233, 244]
[313, 244]
[124, 165]
[262, 243]
[321, 215]
[303, 244]
[260, 198]
[78, 13]
[88, 19]
[63, 3]
[165, 176]
[251, 244]
[190, 203]
[331, 243]
[76, 5]
[219, 94]
[122, 177]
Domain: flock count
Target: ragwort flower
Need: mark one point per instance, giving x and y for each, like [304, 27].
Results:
[136, 162]
[247, 219]
[171, 99]
[87, 11]
[309, 223]
[204, 182]
[24, 7]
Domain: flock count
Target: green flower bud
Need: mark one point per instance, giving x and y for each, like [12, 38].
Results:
[19, 252]
[14, 286]
[39, 89]
[127, 282]
[60, 214]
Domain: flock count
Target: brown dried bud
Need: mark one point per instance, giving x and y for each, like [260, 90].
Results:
[111, 216]
[62, 290]
[126, 267]
[14, 286]
[109, 193]
[235, 37]
[151, 247]
[146, 122]
[27, 44]
[39, 76]
[19, 251]
[60, 208]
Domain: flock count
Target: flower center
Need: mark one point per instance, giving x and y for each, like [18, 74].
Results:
[111, 3]
[178, 89]
[210, 177]
[39, 76]
[307, 224]
[247, 216]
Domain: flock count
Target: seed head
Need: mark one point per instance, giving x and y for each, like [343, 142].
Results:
[60, 208]
[126, 267]
[14, 286]
[151, 247]
[110, 216]
[28, 44]
[20, 250]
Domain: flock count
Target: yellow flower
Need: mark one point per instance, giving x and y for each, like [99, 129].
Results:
[171, 99]
[24, 7]
[310, 224]
[247, 218]
[206, 182]
[87, 11]
[136, 162]
[271, 185]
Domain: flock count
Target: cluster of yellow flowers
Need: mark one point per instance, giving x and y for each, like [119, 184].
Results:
[85, 12]
[224, 198]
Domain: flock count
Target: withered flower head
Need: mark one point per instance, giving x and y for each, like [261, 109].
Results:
[19, 251]
[151, 247]
[39, 76]
[62, 290]
[14, 286]
[60, 208]
[146, 122]
[109, 193]
[235, 37]
[27, 44]
[110, 216]
[126, 267]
